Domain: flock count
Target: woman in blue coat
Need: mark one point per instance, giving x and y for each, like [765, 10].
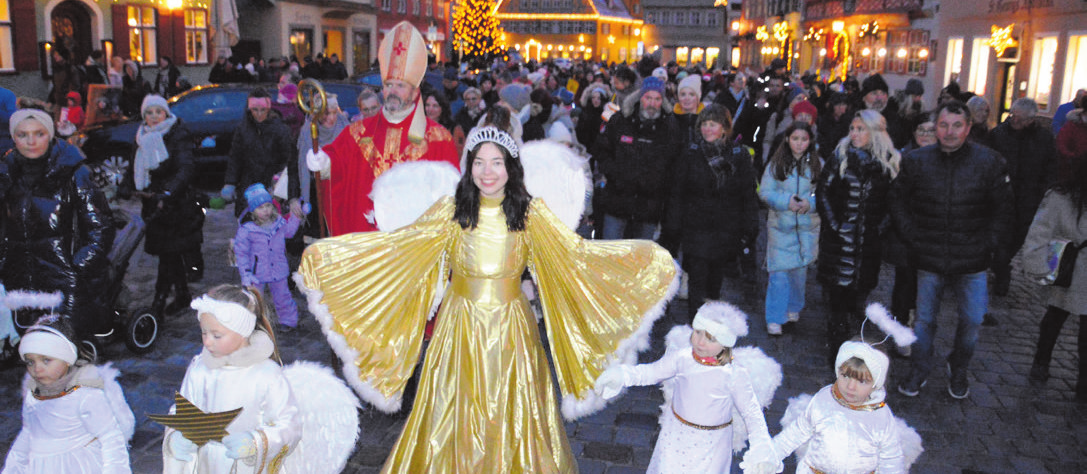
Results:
[792, 224]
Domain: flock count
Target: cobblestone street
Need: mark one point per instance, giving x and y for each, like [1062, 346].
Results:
[1005, 426]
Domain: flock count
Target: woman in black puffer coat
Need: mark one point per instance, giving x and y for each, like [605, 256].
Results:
[160, 176]
[57, 226]
[852, 202]
[712, 209]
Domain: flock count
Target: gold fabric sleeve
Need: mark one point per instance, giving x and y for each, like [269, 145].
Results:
[376, 291]
[599, 298]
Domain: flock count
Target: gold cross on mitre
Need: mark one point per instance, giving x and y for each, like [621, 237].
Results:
[194, 424]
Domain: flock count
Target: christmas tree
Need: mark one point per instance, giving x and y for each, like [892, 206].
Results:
[476, 31]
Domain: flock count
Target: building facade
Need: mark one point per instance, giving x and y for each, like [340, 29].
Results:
[140, 30]
[598, 30]
[688, 31]
[301, 29]
[1006, 49]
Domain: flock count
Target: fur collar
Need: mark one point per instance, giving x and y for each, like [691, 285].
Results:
[260, 348]
[83, 374]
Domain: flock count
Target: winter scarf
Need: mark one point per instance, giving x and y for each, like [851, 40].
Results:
[717, 157]
[151, 151]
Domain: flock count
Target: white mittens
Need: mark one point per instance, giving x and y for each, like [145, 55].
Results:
[240, 445]
[760, 468]
[761, 459]
[181, 448]
[319, 162]
[610, 383]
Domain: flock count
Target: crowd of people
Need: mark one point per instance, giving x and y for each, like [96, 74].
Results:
[849, 176]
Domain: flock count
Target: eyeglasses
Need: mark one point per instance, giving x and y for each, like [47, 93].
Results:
[926, 131]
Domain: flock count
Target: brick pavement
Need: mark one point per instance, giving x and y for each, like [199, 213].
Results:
[1005, 426]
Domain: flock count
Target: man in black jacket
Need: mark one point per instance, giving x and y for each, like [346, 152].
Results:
[1030, 151]
[635, 156]
[951, 203]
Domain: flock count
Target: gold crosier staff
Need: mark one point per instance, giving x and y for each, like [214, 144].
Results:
[312, 100]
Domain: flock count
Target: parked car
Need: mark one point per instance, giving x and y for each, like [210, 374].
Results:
[372, 79]
[211, 113]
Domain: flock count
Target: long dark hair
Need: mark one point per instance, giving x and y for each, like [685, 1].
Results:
[445, 118]
[514, 204]
[783, 162]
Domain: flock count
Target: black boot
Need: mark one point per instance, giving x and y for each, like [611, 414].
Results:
[194, 265]
[181, 302]
[159, 303]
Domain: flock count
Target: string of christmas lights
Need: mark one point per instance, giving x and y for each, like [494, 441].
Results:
[476, 31]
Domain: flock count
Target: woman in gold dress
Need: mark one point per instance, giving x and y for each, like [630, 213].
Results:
[486, 400]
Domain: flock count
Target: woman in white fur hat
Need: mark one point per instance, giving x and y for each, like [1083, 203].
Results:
[703, 382]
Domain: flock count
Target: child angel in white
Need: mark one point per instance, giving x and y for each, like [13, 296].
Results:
[704, 379]
[847, 426]
[75, 418]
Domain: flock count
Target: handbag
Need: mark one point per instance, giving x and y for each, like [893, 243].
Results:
[1061, 260]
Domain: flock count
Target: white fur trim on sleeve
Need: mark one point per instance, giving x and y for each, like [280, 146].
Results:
[588, 402]
[345, 352]
[404, 192]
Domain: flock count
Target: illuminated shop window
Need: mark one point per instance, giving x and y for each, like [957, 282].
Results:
[141, 34]
[979, 65]
[1075, 71]
[196, 36]
[1041, 70]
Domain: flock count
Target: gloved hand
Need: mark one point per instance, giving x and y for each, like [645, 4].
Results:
[296, 208]
[227, 193]
[240, 445]
[529, 289]
[319, 161]
[610, 383]
[181, 447]
[609, 109]
[761, 459]
[760, 468]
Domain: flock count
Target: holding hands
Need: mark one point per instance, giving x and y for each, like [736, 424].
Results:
[610, 383]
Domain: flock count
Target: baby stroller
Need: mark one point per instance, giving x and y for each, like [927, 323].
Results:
[139, 328]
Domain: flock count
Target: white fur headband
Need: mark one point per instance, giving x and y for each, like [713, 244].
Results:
[877, 362]
[48, 342]
[724, 321]
[233, 316]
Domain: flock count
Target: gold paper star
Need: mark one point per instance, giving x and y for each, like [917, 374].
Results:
[194, 424]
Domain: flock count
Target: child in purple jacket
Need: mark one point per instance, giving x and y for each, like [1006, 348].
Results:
[260, 247]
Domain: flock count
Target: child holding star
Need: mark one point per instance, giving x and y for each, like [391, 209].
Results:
[239, 367]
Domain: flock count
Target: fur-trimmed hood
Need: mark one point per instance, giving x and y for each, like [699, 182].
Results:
[588, 94]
